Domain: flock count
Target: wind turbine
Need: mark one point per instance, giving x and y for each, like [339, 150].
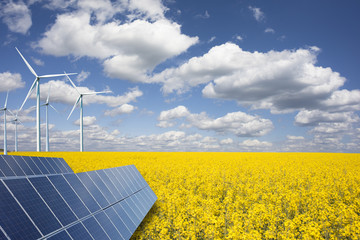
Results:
[16, 122]
[5, 109]
[80, 99]
[36, 84]
[47, 104]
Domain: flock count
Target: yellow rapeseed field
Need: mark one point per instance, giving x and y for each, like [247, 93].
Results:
[242, 195]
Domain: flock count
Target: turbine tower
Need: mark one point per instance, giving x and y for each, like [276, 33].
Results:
[80, 99]
[47, 104]
[5, 135]
[36, 84]
[16, 122]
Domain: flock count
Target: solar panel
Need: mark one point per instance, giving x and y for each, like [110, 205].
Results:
[102, 204]
[11, 165]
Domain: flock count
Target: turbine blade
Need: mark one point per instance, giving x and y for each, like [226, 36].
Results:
[72, 83]
[53, 108]
[93, 93]
[11, 113]
[7, 95]
[27, 64]
[55, 75]
[77, 101]
[29, 93]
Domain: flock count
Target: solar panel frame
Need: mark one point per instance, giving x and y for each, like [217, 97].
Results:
[13, 165]
[78, 231]
[23, 165]
[30, 162]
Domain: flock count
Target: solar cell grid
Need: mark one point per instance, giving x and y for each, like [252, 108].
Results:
[23, 165]
[63, 235]
[101, 186]
[32, 165]
[108, 226]
[14, 220]
[69, 195]
[82, 192]
[53, 164]
[119, 224]
[93, 189]
[56, 203]
[41, 166]
[94, 228]
[5, 167]
[33, 204]
[103, 204]
[13, 165]
[78, 231]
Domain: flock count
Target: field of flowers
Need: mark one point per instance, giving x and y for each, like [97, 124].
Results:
[242, 195]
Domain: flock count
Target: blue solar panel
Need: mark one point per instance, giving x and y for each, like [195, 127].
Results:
[23, 165]
[47, 165]
[93, 189]
[14, 220]
[33, 204]
[119, 224]
[39, 164]
[78, 231]
[32, 165]
[94, 228]
[63, 235]
[13, 165]
[101, 186]
[90, 205]
[69, 195]
[108, 226]
[82, 192]
[53, 199]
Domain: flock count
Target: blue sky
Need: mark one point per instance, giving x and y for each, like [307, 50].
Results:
[186, 75]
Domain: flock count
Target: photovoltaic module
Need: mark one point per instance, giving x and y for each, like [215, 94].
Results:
[42, 198]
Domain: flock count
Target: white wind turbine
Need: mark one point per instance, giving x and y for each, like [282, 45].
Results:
[80, 99]
[47, 104]
[16, 122]
[36, 84]
[5, 135]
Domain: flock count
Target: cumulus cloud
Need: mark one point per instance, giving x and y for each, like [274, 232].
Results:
[16, 15]
[314, 117]
[257, 13]
[238, 123]
[87, 121]
[129, 50]
[82, 76]
[123, 109]
[282, 81]
[269, 30]
[10, 81]
[255, 143]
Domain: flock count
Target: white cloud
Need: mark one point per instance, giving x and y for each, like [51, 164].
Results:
[226, 141]
[123, 109]
[10, 81]
[240, 38]
[16, 15]
[257, 13]
[212, 39]
[87, 121]
[269, 30]
[294, 138]
[255, 143]
[314, 117]
[38, 62]
[82, 76]
[137, 46]
[238, 123]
